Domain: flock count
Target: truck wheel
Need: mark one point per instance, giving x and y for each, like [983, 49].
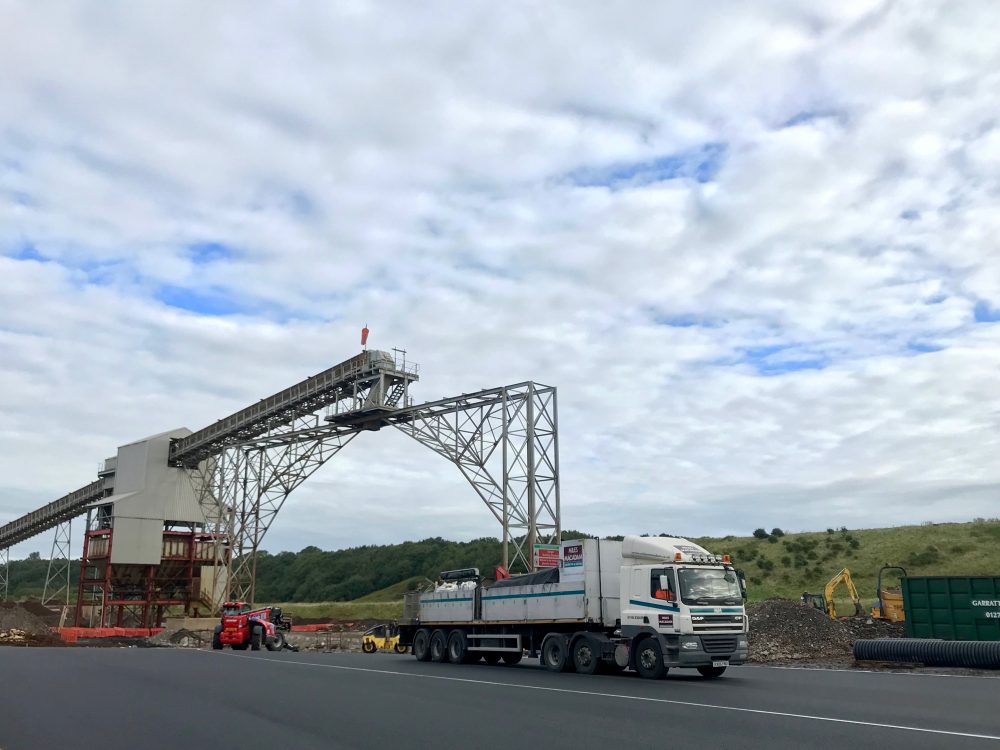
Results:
[399, 648]
[554, 653]
[422, 645]
[510, 659]
[586, 656]
[711, 672]
[217, 638]
[458, 649]
[439, 646]
[491, 658]
[255, 639]
[649, 660]
[369, 647]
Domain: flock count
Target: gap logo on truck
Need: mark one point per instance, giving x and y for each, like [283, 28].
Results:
[647, 604]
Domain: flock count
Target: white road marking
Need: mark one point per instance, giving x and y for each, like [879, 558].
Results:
[691, 704]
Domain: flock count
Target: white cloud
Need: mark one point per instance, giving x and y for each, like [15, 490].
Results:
[792, 341]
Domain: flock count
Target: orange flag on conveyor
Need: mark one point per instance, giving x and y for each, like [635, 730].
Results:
[364, 336]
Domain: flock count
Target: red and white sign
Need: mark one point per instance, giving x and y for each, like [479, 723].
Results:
[547, 555]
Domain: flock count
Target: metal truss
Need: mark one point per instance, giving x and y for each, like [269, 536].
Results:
[505, 442]
[57, 576]
[242, 489]
[4, 572]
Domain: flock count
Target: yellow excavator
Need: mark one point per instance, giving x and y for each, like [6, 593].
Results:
[824, 602]
[890, 599]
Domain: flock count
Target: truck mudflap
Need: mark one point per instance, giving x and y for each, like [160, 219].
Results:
[715, 650]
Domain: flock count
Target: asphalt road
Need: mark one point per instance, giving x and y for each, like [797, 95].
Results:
[175, 698]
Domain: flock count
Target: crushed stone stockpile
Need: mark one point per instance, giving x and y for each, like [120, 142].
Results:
[19, 627]
[783, 630]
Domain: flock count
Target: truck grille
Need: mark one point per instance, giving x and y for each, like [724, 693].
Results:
[731, 623]
[719, 644]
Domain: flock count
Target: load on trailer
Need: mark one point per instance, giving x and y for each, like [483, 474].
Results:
[645, 603]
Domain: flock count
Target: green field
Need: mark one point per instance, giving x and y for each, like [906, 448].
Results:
[785, 566]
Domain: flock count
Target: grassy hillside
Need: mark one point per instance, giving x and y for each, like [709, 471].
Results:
[788, 565]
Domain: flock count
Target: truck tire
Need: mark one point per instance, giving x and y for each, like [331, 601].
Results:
[399, 648]
[276, 643]
[369, 647]
[711, 672]
[649, 659]
[422, 645]
[586, 655]
[555, 653]
[491, 658]
[510, 659]
[458, 647]
[256, 639]
[217, 638]
[439, 646]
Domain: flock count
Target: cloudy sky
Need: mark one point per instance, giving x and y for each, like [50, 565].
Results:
[754, 246]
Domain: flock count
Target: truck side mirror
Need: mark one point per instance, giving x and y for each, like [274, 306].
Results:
[743, 582]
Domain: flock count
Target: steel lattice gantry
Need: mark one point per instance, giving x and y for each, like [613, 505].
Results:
[504, 441]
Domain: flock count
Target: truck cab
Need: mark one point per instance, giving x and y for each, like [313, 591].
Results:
[690, 600]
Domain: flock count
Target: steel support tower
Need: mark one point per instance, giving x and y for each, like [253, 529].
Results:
[57, 576]
[4, 572]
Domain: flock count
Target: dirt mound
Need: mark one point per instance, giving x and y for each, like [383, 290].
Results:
[783, 630]
[43, 613]
[19, 627]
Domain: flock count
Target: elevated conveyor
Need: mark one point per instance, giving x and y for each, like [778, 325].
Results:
[350, 381]
[51, 515]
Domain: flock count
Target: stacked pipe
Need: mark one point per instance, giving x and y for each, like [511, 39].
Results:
[973, 654]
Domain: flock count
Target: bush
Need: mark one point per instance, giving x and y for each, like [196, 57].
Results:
[854, 543]
[772, 539]
[766, 565]
[786, 561]
[777, 532]
[829, 531]
[760, 533]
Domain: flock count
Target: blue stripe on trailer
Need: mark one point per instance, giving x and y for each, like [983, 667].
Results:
[667, 607]
[445, 601]
[530, 596]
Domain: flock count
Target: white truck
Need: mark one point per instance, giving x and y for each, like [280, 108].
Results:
[644, 603]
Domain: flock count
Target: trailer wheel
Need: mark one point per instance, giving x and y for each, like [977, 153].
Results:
[586, 655]
[711, 672]
[510, 659]
[491, 658]
[422, 645]
[555, 654]
[439, 646]
[649, 659]
[458, 648]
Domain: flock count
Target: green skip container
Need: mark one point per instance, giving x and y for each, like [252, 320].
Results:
[952, 607]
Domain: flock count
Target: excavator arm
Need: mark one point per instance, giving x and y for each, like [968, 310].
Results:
[844, 577]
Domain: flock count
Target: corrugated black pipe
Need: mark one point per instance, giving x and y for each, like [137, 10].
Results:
[974, 654]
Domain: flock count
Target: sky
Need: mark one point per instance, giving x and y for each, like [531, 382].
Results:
[753, 245]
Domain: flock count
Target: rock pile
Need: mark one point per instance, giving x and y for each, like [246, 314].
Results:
[783, 630]
[20, 627]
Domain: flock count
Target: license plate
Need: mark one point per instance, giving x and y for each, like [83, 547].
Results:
[720, 663]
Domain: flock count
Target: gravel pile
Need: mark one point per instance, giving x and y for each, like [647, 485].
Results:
[783, 630]
[19, 627]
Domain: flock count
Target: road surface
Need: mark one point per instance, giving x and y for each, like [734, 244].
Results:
[167, 699]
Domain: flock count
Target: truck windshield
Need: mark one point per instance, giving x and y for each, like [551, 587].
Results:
[709, 586]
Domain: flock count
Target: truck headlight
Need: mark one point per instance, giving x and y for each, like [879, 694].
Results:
[741, 643]
[690, 644]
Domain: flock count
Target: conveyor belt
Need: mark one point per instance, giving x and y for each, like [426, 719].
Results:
[51, 515]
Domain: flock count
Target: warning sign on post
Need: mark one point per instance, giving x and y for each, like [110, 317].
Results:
[547, 555]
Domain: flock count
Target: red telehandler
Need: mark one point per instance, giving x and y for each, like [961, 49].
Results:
[243, 627]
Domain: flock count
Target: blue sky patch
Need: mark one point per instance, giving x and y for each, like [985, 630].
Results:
[922, 347]
[986, 313]
[208, 302]
[700, 164]
[780, 359]
[203, 253]
[686, 321]
[807, 116]
[29, 252]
